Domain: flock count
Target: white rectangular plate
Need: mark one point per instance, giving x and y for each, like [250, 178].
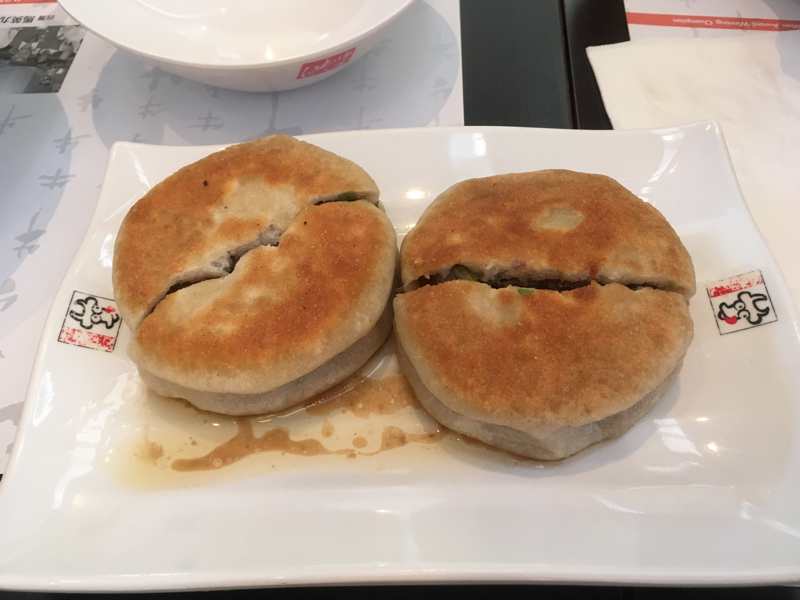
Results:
[704, 490]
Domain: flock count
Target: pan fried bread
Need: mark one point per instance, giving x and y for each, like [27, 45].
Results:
[543, 361]
[283, 311]
[558, 323]
[257, 277]
[189, 226]
[552, 224]
[543, 444]
[330, 373]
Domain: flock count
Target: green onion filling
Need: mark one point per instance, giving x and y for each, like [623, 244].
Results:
[347, 197]
[462, 272]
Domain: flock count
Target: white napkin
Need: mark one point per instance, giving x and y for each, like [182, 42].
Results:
[750, 85]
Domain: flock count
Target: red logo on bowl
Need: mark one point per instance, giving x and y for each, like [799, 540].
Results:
[325, 64]
[91, 322]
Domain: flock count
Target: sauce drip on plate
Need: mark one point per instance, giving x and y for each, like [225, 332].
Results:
[361, 396]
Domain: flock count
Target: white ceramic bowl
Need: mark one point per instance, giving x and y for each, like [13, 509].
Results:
[251, 45]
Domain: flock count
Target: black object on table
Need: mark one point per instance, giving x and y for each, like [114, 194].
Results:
[525, 63]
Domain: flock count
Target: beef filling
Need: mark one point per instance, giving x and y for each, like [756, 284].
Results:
[500, 280]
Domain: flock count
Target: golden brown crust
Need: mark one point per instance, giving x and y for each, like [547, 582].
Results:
[331, 373]
[548, 224]
[216, 205]
[535, 442]
[542, 360]
[282, 312]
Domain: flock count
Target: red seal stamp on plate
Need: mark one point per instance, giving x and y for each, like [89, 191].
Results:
[325, 64]
[91, 322]
[741, 302]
